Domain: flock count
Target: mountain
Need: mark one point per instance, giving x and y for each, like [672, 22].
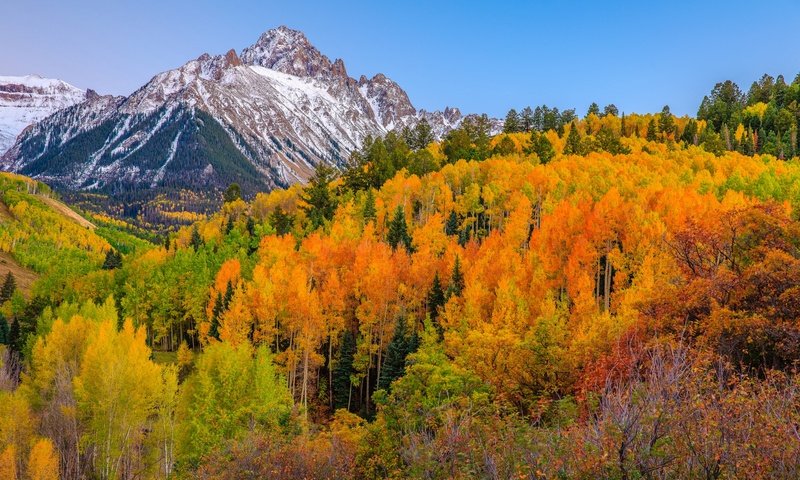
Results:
[262, 118]
[26, 100]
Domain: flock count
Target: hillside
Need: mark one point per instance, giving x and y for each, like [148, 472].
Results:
[523, 307]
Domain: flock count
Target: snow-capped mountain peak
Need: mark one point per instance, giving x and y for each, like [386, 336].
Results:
[27, 99]
[263, 118]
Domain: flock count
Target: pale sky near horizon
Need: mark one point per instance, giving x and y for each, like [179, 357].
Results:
[478, 56]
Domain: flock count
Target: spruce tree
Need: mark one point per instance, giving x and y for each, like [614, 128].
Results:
[343, 371]
[14, 336]
[233, 193]
[213, 332]
[451, 227]
[594, 108]
[512, 122]
[395, 363]
[398, 231]
[573, 144]
[250, 226]
[9, 287]
[541, 146]
[281, 221]
[196, 241]
[436, 298]
[113, 260]
[652, 132]
[3, 330]
[457, 285]
[320, 203]
[369, 211]
[229, 225]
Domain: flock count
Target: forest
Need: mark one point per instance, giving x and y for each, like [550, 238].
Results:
[607, 296]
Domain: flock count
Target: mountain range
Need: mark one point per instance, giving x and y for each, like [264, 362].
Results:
[263, 117]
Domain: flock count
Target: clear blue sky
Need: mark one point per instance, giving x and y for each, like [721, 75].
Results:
[479, 56]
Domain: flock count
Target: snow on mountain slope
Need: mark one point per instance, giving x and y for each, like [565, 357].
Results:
[263, 118]
[26, 100]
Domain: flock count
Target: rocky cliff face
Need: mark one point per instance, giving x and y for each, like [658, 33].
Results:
[262, 118]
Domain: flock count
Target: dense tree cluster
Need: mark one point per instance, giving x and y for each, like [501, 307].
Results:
[609, 297]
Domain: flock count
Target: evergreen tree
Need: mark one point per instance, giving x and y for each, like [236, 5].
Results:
[436, 297]
[167, 242]
[689, 134]
[215, 314]
[369, 211]
[666, 122]
[320, 201]
[398, 231]
[611, 109]
[233, 193]
[594, 108]
[451, 226]
[541, 146]
[343, 371]
[9, 287]
[526, 120]
[281, 221]
[512, 122]
[229, 225]
[250, 226]
[573, 144]
[113, 260]
[395, 363]
[196, 241]
[14, 334]
[652, 132]
[505, 146]
[422, 136]
[457, 285]
[3, 330]
[226, 300]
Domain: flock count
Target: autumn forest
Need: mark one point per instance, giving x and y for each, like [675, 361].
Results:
[606, 295]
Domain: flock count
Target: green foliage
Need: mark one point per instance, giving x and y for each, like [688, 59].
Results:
[229, 394]
[320, 202]
[398, 231]
[232, 193]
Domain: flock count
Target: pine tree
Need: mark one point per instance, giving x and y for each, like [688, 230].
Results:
[541, 146]
[3, 330]
[573, 144]
[457, 285]
[226, 301]
[611, 109]
[369, 211]
[196, 241]
[113, 260]
[213, 332]
[436, 298]
[512, 122]
[233, 193]
[398, 231]
[343, 371]
[652, 133]
[451, 227]
[9, 287]
[594, 108]
[229, 225]
[320, 203]
[666, 122]
[527, 120]
[395, 363]
[14, 336]
[281, 221]
[422, 135]
[166, 242]
[250, 226]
